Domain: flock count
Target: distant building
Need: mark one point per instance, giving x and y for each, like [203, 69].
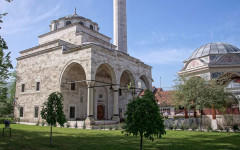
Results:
[215, 61]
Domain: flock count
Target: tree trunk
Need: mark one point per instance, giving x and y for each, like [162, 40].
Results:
[186, 113]
[213, 113]
[201, 120]
[141, 142]
[51, 136]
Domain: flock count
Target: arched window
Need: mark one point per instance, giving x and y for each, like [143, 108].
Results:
[91, 27]
[68, 23]
[81, 23]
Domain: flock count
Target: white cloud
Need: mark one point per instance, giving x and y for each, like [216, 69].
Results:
[23, 15]
[163, 56]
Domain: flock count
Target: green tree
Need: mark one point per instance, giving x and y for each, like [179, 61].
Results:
[197, 93]
[5, 66]
[52, 111]
[144, 118]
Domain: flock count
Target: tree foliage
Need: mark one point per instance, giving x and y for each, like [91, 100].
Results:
[52, 111]
[144, 118]
[198, 93]
[5, 66]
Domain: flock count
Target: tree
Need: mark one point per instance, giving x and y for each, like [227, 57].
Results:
[52, 111]
[197, 93]
[5, 65]
[144, 118]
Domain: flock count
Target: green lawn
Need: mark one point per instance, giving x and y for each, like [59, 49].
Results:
[37, 138]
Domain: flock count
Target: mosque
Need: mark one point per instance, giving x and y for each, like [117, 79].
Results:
[77, 60]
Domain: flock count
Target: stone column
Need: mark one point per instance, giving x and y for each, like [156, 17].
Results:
[90, 120]
[115, 104]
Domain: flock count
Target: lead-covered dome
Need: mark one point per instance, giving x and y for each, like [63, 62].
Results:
[215, 49]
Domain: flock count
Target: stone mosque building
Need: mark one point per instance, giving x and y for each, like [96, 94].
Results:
[77, 60]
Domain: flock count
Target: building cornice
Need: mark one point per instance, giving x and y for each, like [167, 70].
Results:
[71, 25]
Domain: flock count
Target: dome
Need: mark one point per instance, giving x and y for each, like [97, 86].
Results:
[214, 49]
[74, 16]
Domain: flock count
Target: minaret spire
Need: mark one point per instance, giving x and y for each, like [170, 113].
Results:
[120, 25]
[75, 12]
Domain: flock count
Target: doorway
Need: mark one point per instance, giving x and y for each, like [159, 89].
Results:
[100, 112]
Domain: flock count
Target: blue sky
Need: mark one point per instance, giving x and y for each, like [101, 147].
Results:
[162, 33]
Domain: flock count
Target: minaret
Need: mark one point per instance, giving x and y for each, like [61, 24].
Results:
[120, 25]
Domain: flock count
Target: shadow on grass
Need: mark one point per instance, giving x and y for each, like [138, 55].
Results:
[37, 138]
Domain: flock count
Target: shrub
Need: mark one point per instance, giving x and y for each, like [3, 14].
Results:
[227, 129]
[37, 124]
[110, 127]
[194, 127]
[220, 128]
[235, 128]
[92, 127]
[116, 127]
[43, 123]
[171, 127]
[68, 125]
[84, 125]
[182, 127]
[175, 127]
[76, 125]
[209, 128]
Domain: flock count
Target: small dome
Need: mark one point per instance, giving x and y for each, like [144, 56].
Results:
[74, 16]
[215, 49]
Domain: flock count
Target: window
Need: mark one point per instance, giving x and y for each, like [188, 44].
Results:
[72, 86]
[72, 112]
[36, 110]
[120, 92]
[91, 27]
[68, 23]
[23, 87]
[38, 86]
[100, 96]
[21, 111]
[81, 23]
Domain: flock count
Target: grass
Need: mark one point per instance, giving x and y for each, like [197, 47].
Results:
[37, 138]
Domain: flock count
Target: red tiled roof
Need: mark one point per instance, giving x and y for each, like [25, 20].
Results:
[163, 97]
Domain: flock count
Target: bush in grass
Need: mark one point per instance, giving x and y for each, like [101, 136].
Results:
[76, 125]
[68, 125]
[175, 127]
[194, 127]
[37, 124]
[43, 123]
[227, 129]
[84, 125]
[171, 127]
[116, 127]
[110, 127]
[182, 127]
[235, 128]
[209, 128]
[220, 128]
[92, 127]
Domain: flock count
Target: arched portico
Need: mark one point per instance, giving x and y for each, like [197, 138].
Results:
[144, 82]
[105, 97]
[125, 95]
[74, 91]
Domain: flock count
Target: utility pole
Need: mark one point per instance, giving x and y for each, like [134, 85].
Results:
[160, 82]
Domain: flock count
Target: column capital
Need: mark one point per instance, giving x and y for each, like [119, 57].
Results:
[116, 87]
[90, 83]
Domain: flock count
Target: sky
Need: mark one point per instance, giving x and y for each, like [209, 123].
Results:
[161, 33]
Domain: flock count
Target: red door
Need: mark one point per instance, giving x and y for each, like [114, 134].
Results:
[100, 112]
